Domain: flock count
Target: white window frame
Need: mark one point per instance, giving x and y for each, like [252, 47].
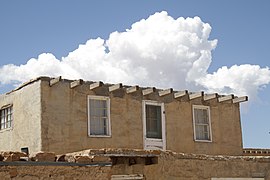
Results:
[194, 122]
[5, 117]
[107, 99]
[151, 143]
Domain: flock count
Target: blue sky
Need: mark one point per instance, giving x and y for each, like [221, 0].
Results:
[30, 28]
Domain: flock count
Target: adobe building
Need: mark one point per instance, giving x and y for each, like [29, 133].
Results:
[61, 116]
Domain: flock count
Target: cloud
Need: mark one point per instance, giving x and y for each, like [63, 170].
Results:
[158, 51]
[243, 79]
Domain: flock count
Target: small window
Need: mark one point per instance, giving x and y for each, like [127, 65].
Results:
[6, 115]
[98, 116]
[202, 123]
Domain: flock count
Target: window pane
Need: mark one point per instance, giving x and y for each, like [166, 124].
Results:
[98, 117]
[6, 118]
[202, 128]
[201, 116]
[153, 122]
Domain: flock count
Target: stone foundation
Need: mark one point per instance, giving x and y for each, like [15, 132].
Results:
[127, 163]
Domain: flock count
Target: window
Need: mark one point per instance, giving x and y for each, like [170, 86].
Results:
[6, 117]
[202, 123]
[98, 116]
[153, 121]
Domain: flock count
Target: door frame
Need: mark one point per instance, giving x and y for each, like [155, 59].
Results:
[152, 143]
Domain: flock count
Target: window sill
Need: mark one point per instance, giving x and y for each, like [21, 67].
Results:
[99, 136]
[7, 129]
[204, 141]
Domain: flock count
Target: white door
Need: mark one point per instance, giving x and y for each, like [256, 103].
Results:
[154, 125]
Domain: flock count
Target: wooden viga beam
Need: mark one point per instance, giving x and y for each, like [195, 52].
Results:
[165, 92]
[180, 94]
[208, 97]
[226, 98]
[240, 99]
[55, 80]
[115, 87]
[148, 91]
[76, 83]
[96, 85]
[196, 95]
[132, 89]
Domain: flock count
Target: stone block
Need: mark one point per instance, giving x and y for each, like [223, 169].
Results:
[100, 159]
[69, 158]
[13, 156]
[44, 157]
[83, 159]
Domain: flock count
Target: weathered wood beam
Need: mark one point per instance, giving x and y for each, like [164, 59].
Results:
[148, 91]
[165, 92]
[55, 80]
[207, 97]
[76, 83]
[115, 87]
[180, 94]
[96, 85]
[226, 98]
[240, 99]
[196, 95]
[132, 89]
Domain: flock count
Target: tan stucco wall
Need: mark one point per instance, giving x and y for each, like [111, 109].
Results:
[64, 121]
[25, 131]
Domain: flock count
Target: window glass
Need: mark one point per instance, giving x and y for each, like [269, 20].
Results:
[6, 118]
[98, 117]
[201, 123]
[153, 121]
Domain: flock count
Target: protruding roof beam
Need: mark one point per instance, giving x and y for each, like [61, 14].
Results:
[180, 94]
[240, 99]
[207, 97]
[196, 95]
[96, 85]
[226, 98]
[76, 83]
[132, 89]
[148, 91]
[165, 92]
[55, 80]
[115, 87]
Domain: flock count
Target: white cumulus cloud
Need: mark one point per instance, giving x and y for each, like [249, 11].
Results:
[158, 51]
[243, 79]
